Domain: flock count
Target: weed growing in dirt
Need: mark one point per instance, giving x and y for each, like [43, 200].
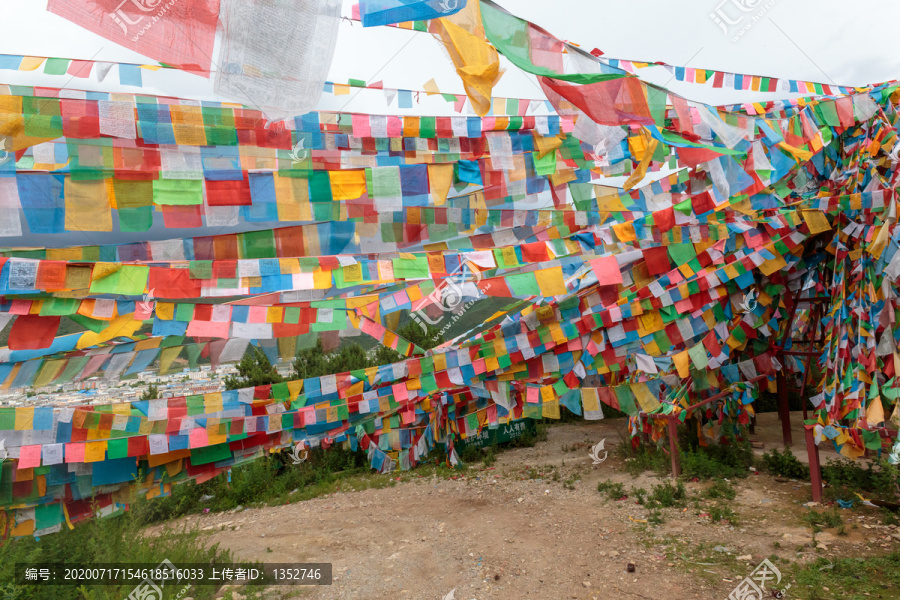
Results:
[784, 464]
[823, 520]
[724, 513]
[655, 517]
[613, 491]
[720, 489]
[665, 495]
[569, 483]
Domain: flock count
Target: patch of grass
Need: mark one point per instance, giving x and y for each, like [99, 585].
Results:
[724, 513]
[269, 480]
[852, 578]
[721, 489]
[784, 464]
[717, 460]
[889, 517]
[613, 491]
[642, 459]
[655, 517]
[823, 520]
[117, 539]
[878, 478]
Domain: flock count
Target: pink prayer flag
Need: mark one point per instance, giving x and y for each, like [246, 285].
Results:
[257, 314]
[30, 456]
[209, 329]
[400, 392]
[20, 307]
[606, 268]
[394, 127]
[180, 33]
[80, 68]
[74, 453]
[198, 438]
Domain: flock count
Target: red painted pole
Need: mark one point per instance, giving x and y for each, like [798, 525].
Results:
[673, 447]
[815, 469]
[784, 411]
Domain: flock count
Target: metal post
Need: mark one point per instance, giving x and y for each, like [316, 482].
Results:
[784, 411]
[673, 447]
[815, 469]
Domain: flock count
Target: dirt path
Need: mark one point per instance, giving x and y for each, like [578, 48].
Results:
[532, 526]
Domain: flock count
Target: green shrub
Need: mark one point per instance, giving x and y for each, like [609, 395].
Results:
[613, 491]
[718, 460]
[784, 464]
[877, 478]
[664, 495]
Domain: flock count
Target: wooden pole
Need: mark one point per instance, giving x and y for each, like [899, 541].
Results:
[815, 469]
[784, 411]
[673, 447]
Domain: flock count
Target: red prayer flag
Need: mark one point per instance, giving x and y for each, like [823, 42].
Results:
[32, 332]
[612, 102]
[180, 33]
[657, 260]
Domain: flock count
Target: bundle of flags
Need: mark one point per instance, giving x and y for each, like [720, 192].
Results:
[646, 297]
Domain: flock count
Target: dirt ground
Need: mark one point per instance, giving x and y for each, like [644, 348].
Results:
[534, 526]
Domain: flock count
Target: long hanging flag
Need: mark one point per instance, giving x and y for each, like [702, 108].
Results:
[387, 12]
[180, 33]
[276, 55]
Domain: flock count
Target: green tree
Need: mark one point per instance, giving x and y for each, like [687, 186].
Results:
[349, 358]
[311, 362]
[425, 339]
[254, 369]
[151, 393]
